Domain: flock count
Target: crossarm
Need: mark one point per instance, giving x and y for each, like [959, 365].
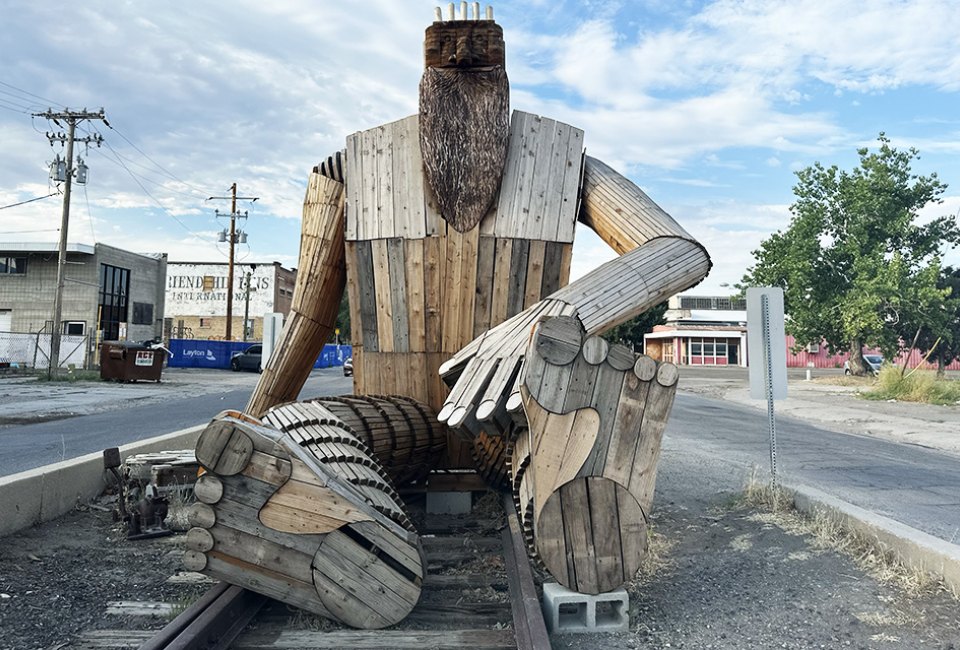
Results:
[321, 277]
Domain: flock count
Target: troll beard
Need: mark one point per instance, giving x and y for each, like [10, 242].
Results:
[464, 132]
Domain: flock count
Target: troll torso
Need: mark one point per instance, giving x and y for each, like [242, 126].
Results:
[419, 289]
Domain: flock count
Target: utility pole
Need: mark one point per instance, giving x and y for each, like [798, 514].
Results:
[228, 335]
[246, 303]
[71, 118]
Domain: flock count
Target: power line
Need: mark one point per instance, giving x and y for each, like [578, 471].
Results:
[143, 177]
[152, 197]
[27, 92]
[36, 198]
[10, 106]
[86, 198]
[163, 169]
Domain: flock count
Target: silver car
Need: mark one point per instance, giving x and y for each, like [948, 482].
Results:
[874, 363]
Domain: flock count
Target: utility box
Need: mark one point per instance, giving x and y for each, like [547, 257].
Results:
[124, 361]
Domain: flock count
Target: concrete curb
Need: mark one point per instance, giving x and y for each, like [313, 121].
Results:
[915, 548]
[45, 493]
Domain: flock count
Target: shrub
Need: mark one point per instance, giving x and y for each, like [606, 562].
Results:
[914, 386]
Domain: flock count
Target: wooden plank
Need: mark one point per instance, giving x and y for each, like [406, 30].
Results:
[452, 292]
[605, 524]
[627, 432]
[580, 443]
[552, 257]
[269, 583]
[398, 294]
[486, 251]
[633, 533]
[434, 259]
[566, 258]
[534, 277]
[572, 175]
[501, 281]
[518, 277]
[579, 535]
[353, 182]
[384, 301]
[606, 393]
[509, 182]
[302, 508]
[367, 323]
[530, 628]
[383, 143]
[475, 639]
[407, 196]
[416, 306]
[537, 221]
[367, 227]
[644, 466]
[529, 133]
[559, 196]
[467, 283]
[358, 586]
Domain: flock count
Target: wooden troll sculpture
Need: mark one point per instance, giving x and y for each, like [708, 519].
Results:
[452, 232]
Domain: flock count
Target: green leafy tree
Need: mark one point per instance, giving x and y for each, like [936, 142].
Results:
[343, 321]
[938, 337]
[631, 332]
[854, 263]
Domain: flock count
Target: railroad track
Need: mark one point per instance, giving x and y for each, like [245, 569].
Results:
[479, 593]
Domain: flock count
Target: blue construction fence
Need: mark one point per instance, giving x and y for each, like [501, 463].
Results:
[198, 353]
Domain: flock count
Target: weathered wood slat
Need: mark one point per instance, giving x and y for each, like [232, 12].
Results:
[284, 525]
[596, 418]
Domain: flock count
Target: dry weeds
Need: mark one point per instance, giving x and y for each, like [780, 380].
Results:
[826, 532]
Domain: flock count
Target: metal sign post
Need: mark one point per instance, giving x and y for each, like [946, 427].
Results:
[767, 355]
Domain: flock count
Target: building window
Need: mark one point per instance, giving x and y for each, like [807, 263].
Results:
[142, 313]
[13, 265]
[204, 322]
[708, 352]
[114, 292]
[74, 328]
[668, 351]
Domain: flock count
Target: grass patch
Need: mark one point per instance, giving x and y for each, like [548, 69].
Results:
[845, 380]
[657, 557]
[826, 532]
[917, 386]
[71, 375]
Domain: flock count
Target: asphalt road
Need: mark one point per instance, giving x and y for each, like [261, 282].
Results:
[28, 446]
[911, 484]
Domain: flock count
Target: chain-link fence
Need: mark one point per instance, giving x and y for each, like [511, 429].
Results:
[26, 350]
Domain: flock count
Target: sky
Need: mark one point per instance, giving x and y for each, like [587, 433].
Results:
[710, 107]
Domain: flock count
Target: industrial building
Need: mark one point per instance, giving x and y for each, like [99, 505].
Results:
[109, 294]
[196, 298]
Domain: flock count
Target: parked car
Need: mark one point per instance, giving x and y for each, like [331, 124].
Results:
[874, 363]
[348, 367]
[249, 359]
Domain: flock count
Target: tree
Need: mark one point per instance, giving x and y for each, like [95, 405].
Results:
[631, 332]
[343, 321]
[854, 263]
[940, 339]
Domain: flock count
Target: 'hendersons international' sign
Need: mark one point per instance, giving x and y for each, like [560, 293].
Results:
[201, 289]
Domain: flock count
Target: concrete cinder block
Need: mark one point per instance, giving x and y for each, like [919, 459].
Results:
[449, 503]
[568, 611]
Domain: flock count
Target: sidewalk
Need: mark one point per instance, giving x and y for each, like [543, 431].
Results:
[839, 409]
